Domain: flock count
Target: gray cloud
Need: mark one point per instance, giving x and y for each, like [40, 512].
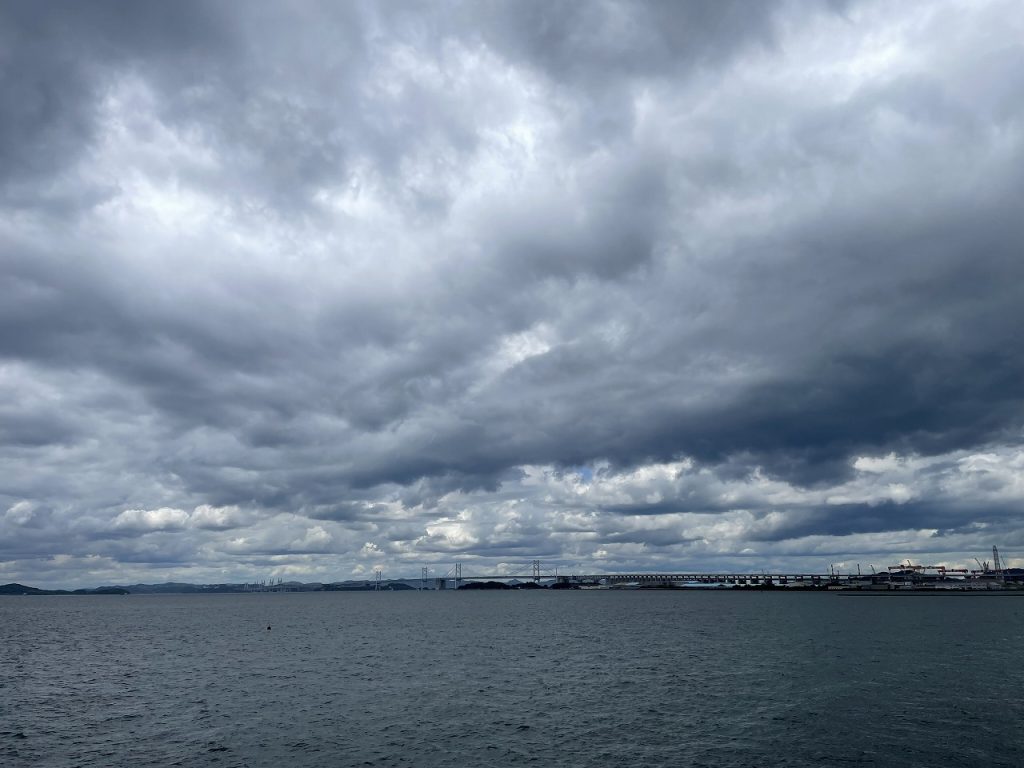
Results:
[325, 288]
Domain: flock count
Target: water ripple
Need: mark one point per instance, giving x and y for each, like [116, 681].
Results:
[534, 678]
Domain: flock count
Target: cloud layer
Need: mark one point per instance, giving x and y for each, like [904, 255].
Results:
[310, 290]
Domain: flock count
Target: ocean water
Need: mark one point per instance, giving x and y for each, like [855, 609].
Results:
[599, 678]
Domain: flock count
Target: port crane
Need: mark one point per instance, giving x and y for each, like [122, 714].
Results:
[995, 567]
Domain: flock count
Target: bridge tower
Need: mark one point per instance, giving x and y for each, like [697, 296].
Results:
[458, 575]
[424, 575]
[536, 571]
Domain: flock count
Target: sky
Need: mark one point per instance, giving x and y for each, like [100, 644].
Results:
[305, 290]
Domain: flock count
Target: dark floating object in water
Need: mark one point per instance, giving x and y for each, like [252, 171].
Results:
[268, 627]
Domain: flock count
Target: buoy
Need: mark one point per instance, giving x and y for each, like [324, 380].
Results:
[268, 628]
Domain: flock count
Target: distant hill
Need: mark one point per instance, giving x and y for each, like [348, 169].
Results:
[486, 585]
[183, 588]
[366, 586]
[21, 589]
[173, 587]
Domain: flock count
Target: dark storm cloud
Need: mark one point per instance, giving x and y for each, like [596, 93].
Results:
[574, 43]
[369, 264]
[58, 58]
[846, 519]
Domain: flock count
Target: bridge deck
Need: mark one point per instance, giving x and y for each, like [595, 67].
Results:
[667, 577]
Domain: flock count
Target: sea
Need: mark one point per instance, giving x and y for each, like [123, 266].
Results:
[511, 678]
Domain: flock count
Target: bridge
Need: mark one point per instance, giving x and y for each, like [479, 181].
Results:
[710, 578]
[534, 571]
